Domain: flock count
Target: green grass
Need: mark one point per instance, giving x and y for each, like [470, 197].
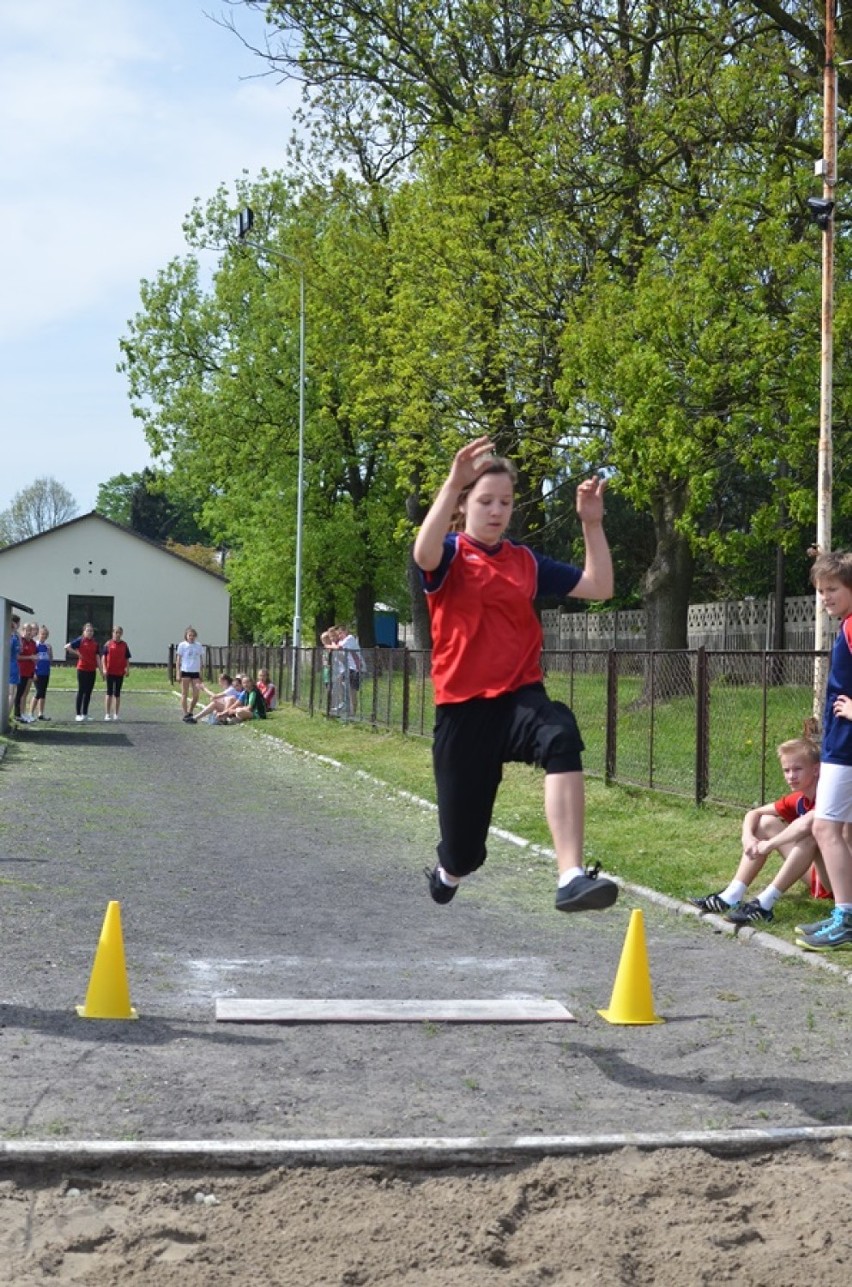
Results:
[153, 679]
[655, 744]
[647, 838]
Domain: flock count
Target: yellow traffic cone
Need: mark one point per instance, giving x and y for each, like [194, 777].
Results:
[108, 996]
[631, 1000]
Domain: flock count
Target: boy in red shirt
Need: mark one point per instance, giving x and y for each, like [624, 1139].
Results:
[785, 825]
[492, 706]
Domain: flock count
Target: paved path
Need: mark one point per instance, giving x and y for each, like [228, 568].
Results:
[245, 870]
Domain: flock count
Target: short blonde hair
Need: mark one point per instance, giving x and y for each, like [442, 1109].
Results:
[800, 746]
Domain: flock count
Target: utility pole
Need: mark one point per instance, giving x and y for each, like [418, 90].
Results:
[244, 227]
[823, 214]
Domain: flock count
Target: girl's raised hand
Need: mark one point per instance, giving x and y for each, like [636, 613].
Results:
[469, 462]
[590, 500]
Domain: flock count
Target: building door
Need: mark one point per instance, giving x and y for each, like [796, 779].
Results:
[97, 608]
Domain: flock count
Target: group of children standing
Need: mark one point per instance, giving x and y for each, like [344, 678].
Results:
[31, 660]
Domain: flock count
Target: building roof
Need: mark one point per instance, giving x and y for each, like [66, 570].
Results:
[128, 531]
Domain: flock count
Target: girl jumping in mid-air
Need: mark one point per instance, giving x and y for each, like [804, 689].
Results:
[486, 671]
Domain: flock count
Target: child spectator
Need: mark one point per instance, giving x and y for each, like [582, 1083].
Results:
[14, 649]
[85, 649]
[354, 665]
[786, 826]
[115, 664]
[190, 659]
[333, 669]
[229, 696]
[492, 706]
[252, 706]
[44, 661]
[267, 689]
[26, 670]
[831, 574]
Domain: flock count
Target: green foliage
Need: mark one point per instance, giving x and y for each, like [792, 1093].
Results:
[581, 229]
[215, 378]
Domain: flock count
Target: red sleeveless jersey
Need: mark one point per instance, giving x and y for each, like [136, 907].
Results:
[486, 637]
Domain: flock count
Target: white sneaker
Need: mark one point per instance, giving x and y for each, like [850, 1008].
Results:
[107, 718]
[87, 719]
[79, 718]
[115, 719]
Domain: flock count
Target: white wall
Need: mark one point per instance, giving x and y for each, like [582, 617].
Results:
[157, 594]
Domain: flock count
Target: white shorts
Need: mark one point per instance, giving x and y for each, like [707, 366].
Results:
[834, 793]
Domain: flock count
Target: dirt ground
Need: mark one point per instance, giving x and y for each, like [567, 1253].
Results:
[245, 870]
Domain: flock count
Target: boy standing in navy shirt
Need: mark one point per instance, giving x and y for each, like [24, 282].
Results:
[831, 574]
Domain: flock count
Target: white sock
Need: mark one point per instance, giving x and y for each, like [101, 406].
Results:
[769, 898]
[734, 892]
[447, 879]
[565, 877]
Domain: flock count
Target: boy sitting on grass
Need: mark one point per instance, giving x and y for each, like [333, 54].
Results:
[785, 825]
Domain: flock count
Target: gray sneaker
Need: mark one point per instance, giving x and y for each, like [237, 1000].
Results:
[814, 925]
[587, 893]
[835, 933]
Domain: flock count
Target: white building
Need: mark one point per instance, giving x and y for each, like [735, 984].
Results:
[92, 569]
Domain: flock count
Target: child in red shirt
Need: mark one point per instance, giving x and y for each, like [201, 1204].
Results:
[492, 706]
[87, 650]
[26, 669]
[115, 665]
[785, 825]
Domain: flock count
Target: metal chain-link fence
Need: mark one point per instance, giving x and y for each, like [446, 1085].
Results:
[699, 724]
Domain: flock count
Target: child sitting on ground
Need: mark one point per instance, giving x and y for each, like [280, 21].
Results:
[785, 825]
[232, 690]
[267, 689]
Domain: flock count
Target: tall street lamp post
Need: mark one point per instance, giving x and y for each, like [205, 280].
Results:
[245, 225]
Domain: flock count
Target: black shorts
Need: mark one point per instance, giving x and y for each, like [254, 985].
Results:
[355, 679]
[472, 742]
[41, 682]
[113, 683]
[190, 674]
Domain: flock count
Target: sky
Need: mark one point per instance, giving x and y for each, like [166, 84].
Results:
[116, 114]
